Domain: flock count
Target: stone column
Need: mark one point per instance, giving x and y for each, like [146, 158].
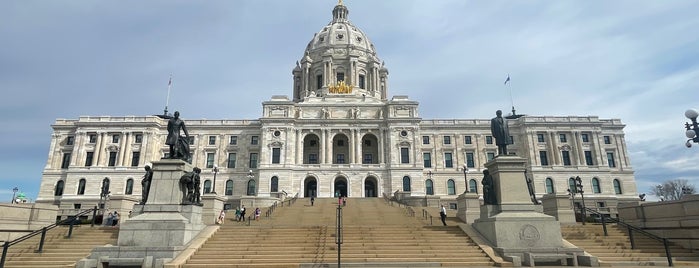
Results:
[299, 148]
[352, 147]
[382, 137]
[99, 150]
[322, 147]
[329, 147]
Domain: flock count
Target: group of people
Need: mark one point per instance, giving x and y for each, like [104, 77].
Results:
[112, 219]
[239, 214]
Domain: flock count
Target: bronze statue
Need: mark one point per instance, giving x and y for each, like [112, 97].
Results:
[501, 132]
[489, 197]
[179, 145]
[530, 186]
[190, 187]
[145, 184]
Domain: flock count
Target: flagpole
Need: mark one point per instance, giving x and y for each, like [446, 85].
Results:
[511, 99]
[167, 100]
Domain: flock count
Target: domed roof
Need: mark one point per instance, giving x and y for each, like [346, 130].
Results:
[340, 32]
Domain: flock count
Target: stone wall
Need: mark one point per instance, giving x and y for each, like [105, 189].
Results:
[25, 216]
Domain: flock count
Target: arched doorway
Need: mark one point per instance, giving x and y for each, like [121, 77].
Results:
[370, 187]
[340, 187]
[310, 187]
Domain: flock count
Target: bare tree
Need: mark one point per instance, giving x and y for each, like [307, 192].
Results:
[672, 189]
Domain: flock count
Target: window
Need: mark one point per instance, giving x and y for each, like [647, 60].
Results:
[425, 139]
[340, 143]
[588, 158]
[340, 77]
[135, 158]
[138, 138]
[595, 186]
[467, 140]
[600, 204]
[251, 188]
[406, 184]
[429, 189]
[59, 188]
[88, 158]
[129, 187]
[77, 206]
[254, 140]
[212, 140]
[313, 158]
[276, 155]
[562, 137]
[367, 142]
[81, 186]
[362, 81]
[115, 138]
[312, 143]
[571, 185]
[229, 187]
[319, 81]
[610, 159]
[207, 186]
[617, 186]
[447, 139]
[70, 140]
[92, 138]
[340, 158]
[549, 185]
[191, 140]
[368, 159]
[112, 159]
[233, 140]
[274, 185]
[607, 140]
[210, 160]
[231, 160]
[253, 160]
[566, 158]
[585, 137]
[404, 155]
[469, 160]
[451, 187]
[427, 158]
[473, 186]
[448, 162]
[544, 158]
[490, 156]
[66, 161]
[488, 139]
[540, 137]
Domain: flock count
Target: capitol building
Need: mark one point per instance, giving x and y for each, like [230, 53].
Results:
[339, 132]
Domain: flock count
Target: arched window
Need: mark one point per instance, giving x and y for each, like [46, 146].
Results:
[129, 186]
[59, 188]
[81, 187]
[406, 184]
[595, 186]
[473, 186]
[429, 188]
[571, 185]
[251, 187]
[274, 186]
[105, 187]
[549, 186]
[451, 187]
[617, 186]
[207, 186]
[229, 187]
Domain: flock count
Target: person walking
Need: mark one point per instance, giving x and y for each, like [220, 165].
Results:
[258, 212]
[312, 200]
[242, 213]
[344, 201]
[221, 217]
[237, 214]
[443, 215]
[115, 221]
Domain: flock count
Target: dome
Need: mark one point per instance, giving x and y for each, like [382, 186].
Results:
[340, 32]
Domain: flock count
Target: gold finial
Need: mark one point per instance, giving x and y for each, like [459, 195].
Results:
[339, 2]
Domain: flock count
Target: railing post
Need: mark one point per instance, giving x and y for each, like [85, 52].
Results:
[430, 220]
[604, 225]
[667, 252]
[628, 227]
[94, 216]
[249, 220]
[41, 242]
[5, 247]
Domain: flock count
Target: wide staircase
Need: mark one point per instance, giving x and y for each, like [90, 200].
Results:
[374, 234]
[615, 248]
[59, 251]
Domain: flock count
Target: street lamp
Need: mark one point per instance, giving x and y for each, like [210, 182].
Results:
[466, 177]
[692, 129]
[215, 170]
[14, 194]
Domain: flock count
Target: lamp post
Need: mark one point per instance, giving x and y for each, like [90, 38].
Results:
[14, 194]
[215, 171]
[579, 189]
[466, 178]
[693, 128]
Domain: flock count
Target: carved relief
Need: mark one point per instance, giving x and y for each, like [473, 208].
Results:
[529, 235]
[565, 147]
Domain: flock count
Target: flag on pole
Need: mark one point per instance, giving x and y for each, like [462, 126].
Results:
[508, 79]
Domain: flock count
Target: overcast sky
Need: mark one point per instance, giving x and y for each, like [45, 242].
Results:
[633, 60]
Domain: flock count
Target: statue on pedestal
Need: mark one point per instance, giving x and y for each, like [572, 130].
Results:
[145, 184]
[190, 187]
[179, 145]
[500, 131]
[489, 197]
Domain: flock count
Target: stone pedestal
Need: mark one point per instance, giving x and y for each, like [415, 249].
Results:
[559, 206]
[468, 207]
[213, 205]
[156, 231]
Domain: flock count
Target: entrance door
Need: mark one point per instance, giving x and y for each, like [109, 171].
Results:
[340, 187]
[310, 188]
[370, 187]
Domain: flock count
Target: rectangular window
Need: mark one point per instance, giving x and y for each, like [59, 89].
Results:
[427, 159]
[368, 159]
[212, 140]
[138, 138]
[540, 137]
[404, 155]
[210, 160]
[544, 158]
[488, 139]
[467, 140]
[607, 140]
[66, 160]
[70, 140]
[490, 156]
[135, 158]
[115, 138]
[340, 158]
[610, 159]
[233, 140]
[340, 77]
[312, 158]
[362, 82]
[566, 158]
[425, 139]
[562, 137]
[585, 137]
[276, 155]
[253, 160]
[448, 162]
[588, 158]
[469, 160]
[254, 140]
[319, 81]
[231, 160]
[112, 159]
[93, 138]
[88, 158]
[447, 139]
